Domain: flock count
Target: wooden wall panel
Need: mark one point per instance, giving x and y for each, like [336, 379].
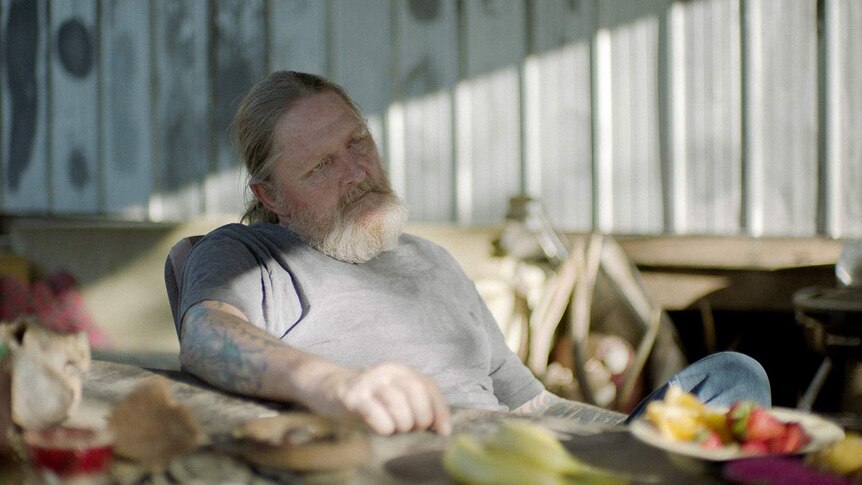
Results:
[361, 44]
[239, 56]
[181, 104]
[629, 179]
[706, 129]
[489, 148]
[24, 104]
[558, 112]
[844, 118]
[781, 117]
[632, 116]
[298, 33]
[421, 131]
[126, 110]
[74, 107]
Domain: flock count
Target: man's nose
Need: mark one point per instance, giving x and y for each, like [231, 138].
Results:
[353, 169]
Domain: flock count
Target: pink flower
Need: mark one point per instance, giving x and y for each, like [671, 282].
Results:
[54, 301]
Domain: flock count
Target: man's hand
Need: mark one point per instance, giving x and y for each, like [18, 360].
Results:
[389, 397]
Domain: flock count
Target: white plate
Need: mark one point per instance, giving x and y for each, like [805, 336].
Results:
[821, 431]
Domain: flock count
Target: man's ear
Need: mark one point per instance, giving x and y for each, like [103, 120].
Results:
[265, 195]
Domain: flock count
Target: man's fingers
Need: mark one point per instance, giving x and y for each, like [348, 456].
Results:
[392, 397]
[420, 403]
[377, 417]
[442, 420]
[429, 407]
[398, 406]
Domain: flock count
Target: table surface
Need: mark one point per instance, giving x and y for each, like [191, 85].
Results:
[404, 458]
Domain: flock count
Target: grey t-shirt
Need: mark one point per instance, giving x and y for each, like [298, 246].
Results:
[412, 305]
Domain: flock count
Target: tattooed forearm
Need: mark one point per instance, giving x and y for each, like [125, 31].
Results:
[549, 404]
[223, 350]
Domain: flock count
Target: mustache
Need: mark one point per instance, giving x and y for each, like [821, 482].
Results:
[361, 189]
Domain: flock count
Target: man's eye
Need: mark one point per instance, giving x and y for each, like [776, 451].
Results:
[321, 165]
[360, 142]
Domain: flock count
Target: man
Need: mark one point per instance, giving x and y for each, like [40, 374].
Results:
[323, 301]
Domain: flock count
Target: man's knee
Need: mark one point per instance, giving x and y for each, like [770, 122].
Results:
[743, 373]
[740, 364]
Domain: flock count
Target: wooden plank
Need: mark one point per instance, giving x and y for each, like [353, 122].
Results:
[489, 161]
[182, 137]
[781, 109]
[706, 126]
[126, 107]
[239, 61]
[734, 291]
[732, 253]
[361, 40]
[73, 110]
[844, 112]
[421, 153]
[298, 35]
[629, 175]
[24, 102]
[558, 126]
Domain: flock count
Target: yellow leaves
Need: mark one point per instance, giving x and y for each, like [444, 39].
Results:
[519, 452]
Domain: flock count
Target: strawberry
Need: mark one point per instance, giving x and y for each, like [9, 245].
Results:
[709, 439]
[791, 440]
[750, 421]
[762, 425]
[755, 447]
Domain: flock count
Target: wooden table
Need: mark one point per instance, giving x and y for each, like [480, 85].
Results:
[404, 458]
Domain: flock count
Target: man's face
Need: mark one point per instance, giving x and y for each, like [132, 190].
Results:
[328, 183]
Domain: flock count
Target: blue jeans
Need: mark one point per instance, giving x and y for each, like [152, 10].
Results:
[719, 379]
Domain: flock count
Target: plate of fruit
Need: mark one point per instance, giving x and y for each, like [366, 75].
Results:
[681, 424]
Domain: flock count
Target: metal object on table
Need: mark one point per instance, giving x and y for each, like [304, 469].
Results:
[832, 323]
[848, 269]
[529, 233]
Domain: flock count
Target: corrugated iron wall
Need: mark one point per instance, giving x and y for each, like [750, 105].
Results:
[625, 116]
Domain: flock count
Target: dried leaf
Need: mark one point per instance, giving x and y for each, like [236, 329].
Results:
[151, 428]
[302, 442]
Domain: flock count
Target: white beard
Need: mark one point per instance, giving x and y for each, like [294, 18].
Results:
[351, 235]
[355, 241]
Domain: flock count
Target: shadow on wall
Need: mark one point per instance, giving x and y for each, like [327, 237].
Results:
[120, 267]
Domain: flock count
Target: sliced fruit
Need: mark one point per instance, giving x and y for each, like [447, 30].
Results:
[763, 426]
[681, 417]
[709, 439]
[737, 417]
[718, 424]
[757, 447]
[791, 440]
[675, 396]
[680, 424]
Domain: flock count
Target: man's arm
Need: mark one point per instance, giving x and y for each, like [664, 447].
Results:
[549, 404]
[220, 346]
